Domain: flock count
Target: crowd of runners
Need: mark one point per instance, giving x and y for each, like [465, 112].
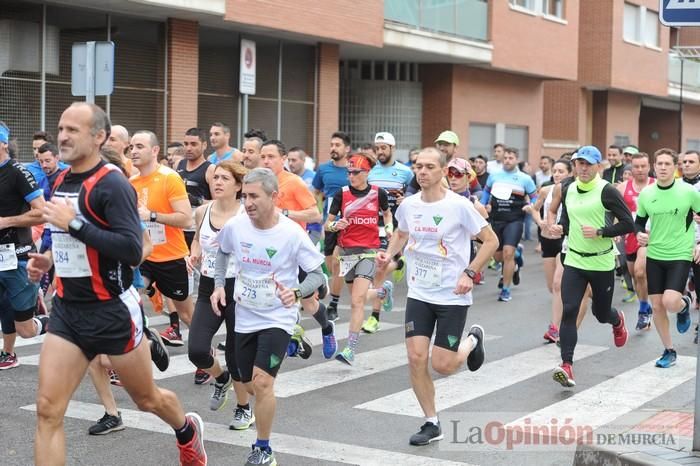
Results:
[103, 217]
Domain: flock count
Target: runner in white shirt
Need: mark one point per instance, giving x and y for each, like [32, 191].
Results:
[436, 226]
[270, 249]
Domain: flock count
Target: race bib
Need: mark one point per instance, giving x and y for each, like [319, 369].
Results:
[256, 293]
[209, 265]
[501, 191]
[426, 272]
[8, 257]
[69, 256]
[157, 232]
[347, 263]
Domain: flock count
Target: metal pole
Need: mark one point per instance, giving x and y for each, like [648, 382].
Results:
[42, 109]
[244, 118]
[680, 111]
[108, 100]
[165, 84]
[279, 94]
[314, 136]
[90, 72]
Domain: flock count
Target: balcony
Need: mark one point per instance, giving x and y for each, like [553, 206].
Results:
[691, 72]
[467, 19]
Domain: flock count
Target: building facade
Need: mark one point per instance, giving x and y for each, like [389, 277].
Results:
[543, 76]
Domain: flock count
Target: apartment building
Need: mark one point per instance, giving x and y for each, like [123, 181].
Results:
[540, 75]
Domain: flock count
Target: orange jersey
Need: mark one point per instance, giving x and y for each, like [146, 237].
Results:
[156, 192]
[294, 194]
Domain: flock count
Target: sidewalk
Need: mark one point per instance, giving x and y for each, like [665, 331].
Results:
[671, 431]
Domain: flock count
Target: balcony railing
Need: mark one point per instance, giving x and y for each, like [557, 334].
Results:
[462, 18]
[691, 72]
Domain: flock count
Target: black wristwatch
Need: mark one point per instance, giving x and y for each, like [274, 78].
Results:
[76, 224]
[599, 232]
[470, 273]
[154, 216]
[297, 294]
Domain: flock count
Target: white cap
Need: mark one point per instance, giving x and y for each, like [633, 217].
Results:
[385, 138]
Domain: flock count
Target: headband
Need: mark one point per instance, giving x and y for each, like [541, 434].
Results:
[4, 134]
[359, 163]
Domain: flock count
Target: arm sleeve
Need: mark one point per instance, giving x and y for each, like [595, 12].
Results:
[220, 268]
[336, 202]
[123, 240]
[383, 200]
[640, 223]
[313, 280]
[564, 219]
[613, 201]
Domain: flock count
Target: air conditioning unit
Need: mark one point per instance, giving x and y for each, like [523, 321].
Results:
[20, 47]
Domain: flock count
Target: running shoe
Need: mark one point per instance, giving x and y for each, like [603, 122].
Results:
[8, 361]
[695, 340]
[242, 419]
[500, 282]
[347, 356]
[219, 396]
[332, 310]
[221, 346]
[629, 297]
[476, 355]
[201, 377]
[552, 334]
[516, 275]
[492, 264]
[114, 378]
[504, 296]
[388, 303]
[667, 359]
[400, 272]
[644, 320]
[303, 345]
[192, 453]
[172, 337]
[330, 345]
[371, 325]
[428, 433]
[107, 424]
[261, 456]
[564, 375]
[683, 317]
[620, 331]
[159, 353]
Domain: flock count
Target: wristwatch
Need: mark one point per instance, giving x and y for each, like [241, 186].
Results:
[154, 216]
[76, 224]
[599, 232]
[297, 294]
[470, 273]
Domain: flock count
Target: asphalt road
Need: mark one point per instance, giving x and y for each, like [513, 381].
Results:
[328, 413]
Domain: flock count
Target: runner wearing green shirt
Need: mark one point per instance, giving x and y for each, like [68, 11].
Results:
[588, 208]
[669, 204]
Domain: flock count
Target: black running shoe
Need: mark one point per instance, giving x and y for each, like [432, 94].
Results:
[476, 355]
[107, 424]
[516, 276]
[428, 433]
[332, 310]
[159, 353]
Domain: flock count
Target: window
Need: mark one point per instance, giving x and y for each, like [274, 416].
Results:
[482, 137]
[517, 136]
[622, 140]
[527, 4]
[692, 144]
[554, 8]
[641, 25]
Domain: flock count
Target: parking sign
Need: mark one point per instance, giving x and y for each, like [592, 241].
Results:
[679, 12]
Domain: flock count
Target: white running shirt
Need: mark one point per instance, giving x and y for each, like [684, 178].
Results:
[438, 248]
[261, 254]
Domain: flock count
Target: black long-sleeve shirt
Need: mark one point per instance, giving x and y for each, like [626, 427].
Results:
[615, 209]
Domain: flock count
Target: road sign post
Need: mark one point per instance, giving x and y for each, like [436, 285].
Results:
[246, 81]
[92, 69]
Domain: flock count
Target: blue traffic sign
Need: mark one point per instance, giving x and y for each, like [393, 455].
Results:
[679, 12]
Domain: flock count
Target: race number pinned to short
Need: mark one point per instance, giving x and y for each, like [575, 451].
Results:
[8, 257]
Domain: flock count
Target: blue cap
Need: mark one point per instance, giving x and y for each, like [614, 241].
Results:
[4, 134]
[590, 154]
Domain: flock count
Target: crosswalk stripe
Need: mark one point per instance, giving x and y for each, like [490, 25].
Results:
[334, 372]
[466, 386]
[282, 443]
[606, 401]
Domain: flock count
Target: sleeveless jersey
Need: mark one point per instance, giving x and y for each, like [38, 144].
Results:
[361, 214]
[630, 196]
[195, 182]
[208, 241]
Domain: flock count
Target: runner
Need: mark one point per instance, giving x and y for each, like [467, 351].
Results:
[669, 206]
[119, 141]
[437, 225]
[356, 208]
[588, 204]
[251, 152]
[296, 159]
[220, 135]
[21, 207]
[210, 218]
[506, 196]
[635, 255]
[270, 249]
[393, 177]
[331, 177]
[95, 212]
[691, 175]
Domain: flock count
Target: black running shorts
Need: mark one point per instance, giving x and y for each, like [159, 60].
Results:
[421, 318]
[264, 349]
[171, 277]
[666, 275]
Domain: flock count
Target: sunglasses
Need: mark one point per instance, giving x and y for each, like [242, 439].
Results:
[355, 172]
[455, 174]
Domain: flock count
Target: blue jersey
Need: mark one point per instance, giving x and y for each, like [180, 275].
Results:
[393, 179]
[329, 179]
[213, 158]
[308, 177]
[508, 192]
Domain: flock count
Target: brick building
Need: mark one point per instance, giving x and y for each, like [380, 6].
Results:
[541, 75]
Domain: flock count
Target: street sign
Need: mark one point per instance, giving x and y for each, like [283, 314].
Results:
[679, 12]
[246, 83]
[92, 69]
